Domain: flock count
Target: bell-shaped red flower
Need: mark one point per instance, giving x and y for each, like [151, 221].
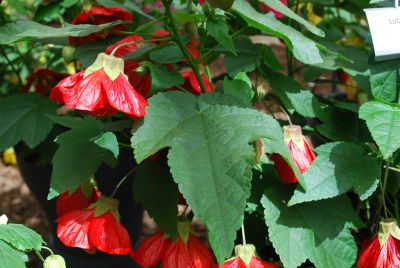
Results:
[301, 153]
[42, 81]
[246, 257]
[103, 89]
[192, 84]
[141, 82]
[79, 199]
[187, 251]
[383, 251]
[99, 15]
[95, 228]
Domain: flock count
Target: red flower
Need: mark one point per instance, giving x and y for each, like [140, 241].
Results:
[79, 199]
[95, 228]
[174, 254]
[192, 84]
[277, 14]
[42, 81]
[300, 151]
[99, 15]
[343, 76]
[383, 251]
[201, 2]
[103, 89]
[140, 82]
[246, 258]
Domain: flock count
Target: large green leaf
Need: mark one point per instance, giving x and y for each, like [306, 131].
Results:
[154, 188]
[384, 80]
[218, 28]
[20, 237]
[210, 155]
[383, 121]
[279, 6]
[339, 167]
[168, 54]
[304, 49]
[23, 118]
[27, 30]
[10, 257]
[162, 78]
[293, 95]
[318, 231]
[78, 156]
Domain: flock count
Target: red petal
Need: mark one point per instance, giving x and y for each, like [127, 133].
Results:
[192, 84]
[199, 253]
[389, 256]
[277, 14]
[283, 169]
[151, 250]
[234, 263]
[126, 49]
[140, 82]
[77, 200]
[369, 254]
[123, 97]
[73, 228]
[257, 263]
[302, 159]
[108, 235]
[99, 14]
[177, 256]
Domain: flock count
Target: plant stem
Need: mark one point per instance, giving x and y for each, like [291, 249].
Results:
[133, 42]
[122, 181]
[11, 65]
[48, 249]
[181, 45]
[243, 235]
[383, 183]
[39, 255]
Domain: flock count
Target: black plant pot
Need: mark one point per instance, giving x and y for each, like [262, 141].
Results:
[37, 178]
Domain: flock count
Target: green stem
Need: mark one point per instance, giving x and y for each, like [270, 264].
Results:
[11, 64]
[122, 181]
[48, 249]
[181, 45]
[243, 235]
[383, 183]
[39, 255]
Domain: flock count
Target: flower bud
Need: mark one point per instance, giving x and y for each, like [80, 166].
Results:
[54, 261]
[68, 54]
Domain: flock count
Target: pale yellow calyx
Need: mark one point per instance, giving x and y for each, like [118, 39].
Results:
[111, 65]
[386, 228]
[293, 133]
[3, 219]
[245, 252]
[184, 229]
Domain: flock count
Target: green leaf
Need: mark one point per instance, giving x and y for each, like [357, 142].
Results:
[10, 257]
[280, 7]
[293, 95]
[23, 118]
[48, 12]
[28, 30]
[162, 78]
[239, 87]
[109, 142]
[77, 157]
[168, 54]
[384, 80]
[218, 28]
[154, 187]
[20, 237]
[69, 3]
[338, 168]
[318, 231]
[304, 49]
[210, 155]
[383, 121]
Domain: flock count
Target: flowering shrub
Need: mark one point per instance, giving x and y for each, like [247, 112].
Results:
[268, 121]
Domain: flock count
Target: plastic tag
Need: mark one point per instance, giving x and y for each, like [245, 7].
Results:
[384, 24]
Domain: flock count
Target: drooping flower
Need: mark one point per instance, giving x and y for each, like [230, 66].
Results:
[301, 153]
[97, 227]
[102, 89]
[99, 15]
[42, 81]
[141, 82]
[382, 251]
[246, 257]
[54, 261]
[192, 84]
[187, 251]
[277, 14]
[79, 199]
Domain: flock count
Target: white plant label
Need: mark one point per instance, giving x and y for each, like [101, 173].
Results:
[384, 24]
